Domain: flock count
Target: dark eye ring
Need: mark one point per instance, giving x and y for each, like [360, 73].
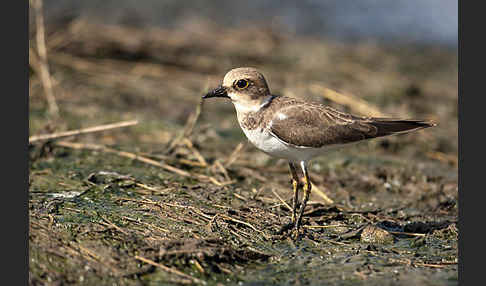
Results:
[242, 83]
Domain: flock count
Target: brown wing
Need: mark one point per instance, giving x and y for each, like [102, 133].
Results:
[317, 126]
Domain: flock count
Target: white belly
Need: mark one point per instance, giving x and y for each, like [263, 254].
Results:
[263, 140]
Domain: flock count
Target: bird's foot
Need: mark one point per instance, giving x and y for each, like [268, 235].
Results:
[285, 228]
[295, 234]
[289, 230]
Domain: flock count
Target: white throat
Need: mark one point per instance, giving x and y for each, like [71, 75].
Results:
[243, 107]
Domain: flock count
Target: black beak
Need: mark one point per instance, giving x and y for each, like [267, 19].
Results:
[220, 91]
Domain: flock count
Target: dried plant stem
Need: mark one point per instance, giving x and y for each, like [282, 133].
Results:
[240, 222]
[43, 66]
[192, 120]
[109, 223]
[407, 233]
[222, 169]
[234, 155]
[441, 265]
[321, 194]
[325, 226]
[196, 153]
[188, 128]
[146, 224]
[129, 155]
[123, 154]
[354, 103]
[56, 135]
[282, 200]
[168, 269]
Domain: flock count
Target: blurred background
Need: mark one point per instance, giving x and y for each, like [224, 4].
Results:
[424, 22]
[99, 62]
[153, 59]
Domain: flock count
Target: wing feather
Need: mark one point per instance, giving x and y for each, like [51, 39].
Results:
[312, 125]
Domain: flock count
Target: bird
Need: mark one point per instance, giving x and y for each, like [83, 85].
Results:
[298, 130]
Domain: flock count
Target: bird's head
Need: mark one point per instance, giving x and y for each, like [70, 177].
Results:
[246, 87]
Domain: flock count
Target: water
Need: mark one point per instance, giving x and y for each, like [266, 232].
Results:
[417, 21]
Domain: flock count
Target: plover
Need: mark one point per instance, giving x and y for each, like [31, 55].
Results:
[298, 130]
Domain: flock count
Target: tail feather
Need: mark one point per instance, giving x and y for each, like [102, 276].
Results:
[387, 126]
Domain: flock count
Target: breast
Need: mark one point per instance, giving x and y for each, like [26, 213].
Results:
[256, 125]
[262, 139]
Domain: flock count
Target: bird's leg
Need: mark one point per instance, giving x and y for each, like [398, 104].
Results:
[307, 190]
[296, 185]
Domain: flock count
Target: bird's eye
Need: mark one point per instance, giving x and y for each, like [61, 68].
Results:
[242, 84]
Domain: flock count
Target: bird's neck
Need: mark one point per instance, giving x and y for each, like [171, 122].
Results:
[245, 107]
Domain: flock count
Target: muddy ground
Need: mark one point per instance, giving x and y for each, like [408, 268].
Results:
[182, 198]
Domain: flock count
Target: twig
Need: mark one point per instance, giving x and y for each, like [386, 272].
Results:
[192, 120]
[188, 128]
[147, 224]
[324, 226]
[43, 64]
[168, 269]
[113, 225]
[194, 209]
[356, 104]
[441, 265]
[332, 241]
[282, 200]
[132, 156]
[240, 197]
[209, 226]
[221, 168]
[168, 158]
[91, 255]
[154, 190]
[241, 222]
[321, 194]
[196, 153]
[56, 135]
[234, 155]
[124, 154]
[407, 233]
[198, 266]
